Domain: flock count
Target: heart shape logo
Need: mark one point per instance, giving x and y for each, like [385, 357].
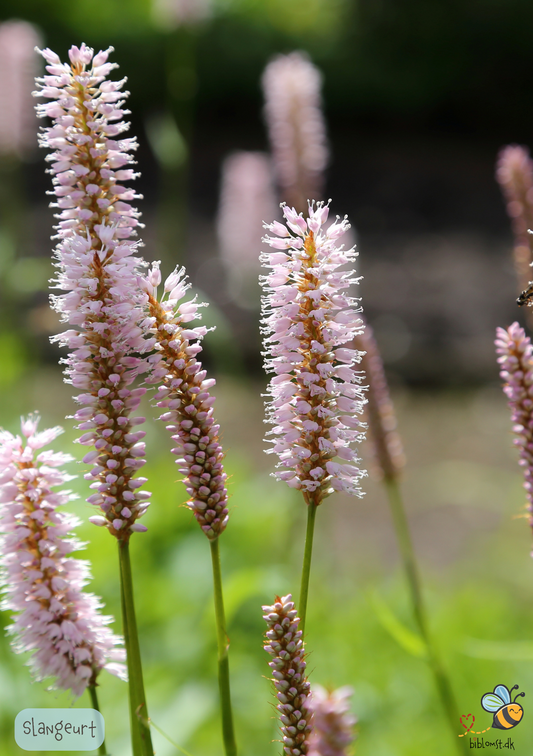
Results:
[467, 724]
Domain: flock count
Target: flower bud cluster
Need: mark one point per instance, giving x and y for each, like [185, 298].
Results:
[184, 396]
[516, 369]
[315, 396]
[379, 411]
[55, 620]
[88, 163]
[332, 722]
[98, 271]
[285, 645]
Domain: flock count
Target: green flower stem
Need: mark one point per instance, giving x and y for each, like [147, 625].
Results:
[306, 567]
[141, 738]
[94, 700]
[411, 571]
[228, 733]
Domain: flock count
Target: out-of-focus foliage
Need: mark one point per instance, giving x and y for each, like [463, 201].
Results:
[463, 64]
[297, 18]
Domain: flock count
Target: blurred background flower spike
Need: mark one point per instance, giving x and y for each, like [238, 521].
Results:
[296, 127]
[389, 457]
[514, 174]
[19, 66]
[333, 724]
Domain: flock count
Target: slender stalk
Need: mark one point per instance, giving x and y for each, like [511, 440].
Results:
[411, 571]
[94, 700]
[306, 567]
[141, 739]
[228, 733]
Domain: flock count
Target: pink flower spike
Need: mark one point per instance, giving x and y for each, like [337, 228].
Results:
[98, 270]
[379, 411]
[516, 370]
[43, 585]
[285, 645]
[184, 394]
[296, 127]
[315, 396]
[19, 65]
[171, 14]
[332, 722]
[514, 173]
[247, 196]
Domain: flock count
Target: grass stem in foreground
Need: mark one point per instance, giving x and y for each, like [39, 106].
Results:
[228, 733]
[141, 738]
[411, 571]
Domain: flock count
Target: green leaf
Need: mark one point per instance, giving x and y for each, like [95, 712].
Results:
[406, 638]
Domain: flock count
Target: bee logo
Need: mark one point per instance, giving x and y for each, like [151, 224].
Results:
[526, 296]
[507, 713]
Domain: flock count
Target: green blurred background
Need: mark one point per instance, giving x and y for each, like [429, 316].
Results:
[418, 98]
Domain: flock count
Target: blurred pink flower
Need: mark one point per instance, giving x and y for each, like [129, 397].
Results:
[184, 395]
[332, 722]
[246, 198]
[98, 270]
[55, 620]
[309, 318]
[516, 369]
[514, 173]
[297, 131]
[174, 13]
[18, 66]
[379, 410]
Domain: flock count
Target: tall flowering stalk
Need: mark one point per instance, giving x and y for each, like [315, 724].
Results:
[332, 722]
[184, 395]
[515, 357]
[315, 396]
[55, 619]
[296, 127]
[514, 173]
[98, 271]
[389, 462]
[285, 645]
